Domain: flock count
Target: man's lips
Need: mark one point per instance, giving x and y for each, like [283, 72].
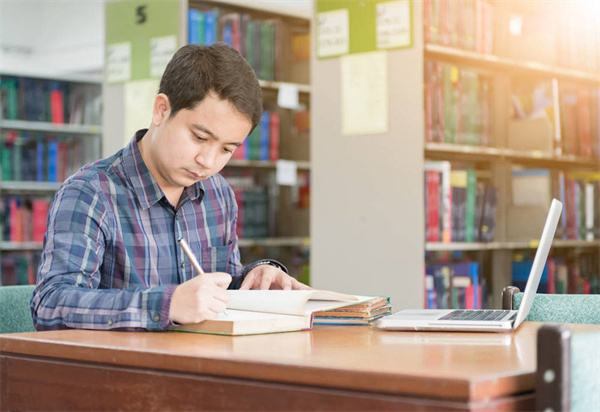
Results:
[194, 175]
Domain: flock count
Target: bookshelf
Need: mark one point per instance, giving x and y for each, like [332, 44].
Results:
[368, 214]
[506, 69]
[49, 128]
[281, 228]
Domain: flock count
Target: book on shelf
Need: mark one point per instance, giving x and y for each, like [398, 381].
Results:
[263, 142]
[466, 25]
[364, 313]
[454, 286]
[269, 311]
[576, 274]
[23, 218]
[256, 40]
[52, 101]
[18, 268]
[456, 105]
[44, 157]
[458, 206]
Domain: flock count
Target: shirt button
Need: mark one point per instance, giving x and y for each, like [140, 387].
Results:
[182, 265]
[176, 217]
[156, 318]
[110, 322]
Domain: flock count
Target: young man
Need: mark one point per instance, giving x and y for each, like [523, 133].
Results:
[111, 259]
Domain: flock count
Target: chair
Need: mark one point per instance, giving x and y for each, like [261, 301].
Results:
[15, 315]
[556, 308]
[568, 370]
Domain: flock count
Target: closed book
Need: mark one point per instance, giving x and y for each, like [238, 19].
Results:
[268, 311]
[274, 137]
[264, 136]
[57, 106]
[39, 217]
[52, 161]
[210, 28]
[194, 26]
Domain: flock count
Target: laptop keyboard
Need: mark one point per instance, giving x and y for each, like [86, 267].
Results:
[485, 315]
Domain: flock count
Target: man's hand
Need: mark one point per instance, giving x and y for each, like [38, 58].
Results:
[200, 298]
[270, 277]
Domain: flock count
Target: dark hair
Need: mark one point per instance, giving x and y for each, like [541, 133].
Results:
[196, 70]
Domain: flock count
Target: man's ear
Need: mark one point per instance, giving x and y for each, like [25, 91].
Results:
[161, 110]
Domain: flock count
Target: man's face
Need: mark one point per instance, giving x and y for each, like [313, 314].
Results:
[196, 144]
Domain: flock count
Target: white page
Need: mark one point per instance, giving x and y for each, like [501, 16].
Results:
[292, 302]
[364, 78]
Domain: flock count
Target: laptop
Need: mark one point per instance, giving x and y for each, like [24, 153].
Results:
[481, 320]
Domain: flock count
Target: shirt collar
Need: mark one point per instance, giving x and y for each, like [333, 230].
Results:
[143, 184]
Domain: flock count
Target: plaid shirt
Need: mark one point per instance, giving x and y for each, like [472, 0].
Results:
[111, 259]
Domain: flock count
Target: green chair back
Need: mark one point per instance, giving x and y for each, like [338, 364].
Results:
[568, 370]
[562, 308]
[15, 315]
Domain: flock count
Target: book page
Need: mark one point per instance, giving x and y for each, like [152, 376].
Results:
[291, 302]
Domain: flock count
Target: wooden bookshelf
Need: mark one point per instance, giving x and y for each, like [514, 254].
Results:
[502, 65]
[533, 244]
[84, 139]
[29, 187]
[275, 241]
[267, 84]
[264, 164]
[48, 127]
[503, 75]
[476, 153]
[20, 246]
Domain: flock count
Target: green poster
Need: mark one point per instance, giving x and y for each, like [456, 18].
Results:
[141, 37]
[349, 26]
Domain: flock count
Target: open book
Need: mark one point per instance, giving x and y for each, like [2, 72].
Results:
[266, 311]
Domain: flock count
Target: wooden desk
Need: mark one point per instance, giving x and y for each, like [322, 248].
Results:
[328, 368]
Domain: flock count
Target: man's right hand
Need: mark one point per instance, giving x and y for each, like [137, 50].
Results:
[200, 298]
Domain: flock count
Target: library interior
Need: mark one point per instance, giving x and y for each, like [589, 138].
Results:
[406, 157]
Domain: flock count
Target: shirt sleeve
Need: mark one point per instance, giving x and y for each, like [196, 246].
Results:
[69, 293]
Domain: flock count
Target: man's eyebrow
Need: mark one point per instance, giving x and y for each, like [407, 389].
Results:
[211, 134]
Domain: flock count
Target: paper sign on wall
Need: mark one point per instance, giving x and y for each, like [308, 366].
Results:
[287, 97]
[286, 173]
[118, 62]
[364, 93]
[139, 99]
[161, 51]
[393, 24]
[333, 33]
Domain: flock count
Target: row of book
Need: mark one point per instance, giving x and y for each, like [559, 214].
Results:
[572, 113]
[263, 142]
[458, 207]
[533, 191]
[19, 268]
[255, 207]
[578, 275]
[25, 98]
[365, 313]
[557, 34]
[464, 24]
[455, 286]
[566, 37]
[457, 105]
[23, 218]
[44, 157]
[257, 40]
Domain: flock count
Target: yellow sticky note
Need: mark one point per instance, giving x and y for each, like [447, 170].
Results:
[454, 74]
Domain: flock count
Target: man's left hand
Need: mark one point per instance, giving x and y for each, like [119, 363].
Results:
[270, 277]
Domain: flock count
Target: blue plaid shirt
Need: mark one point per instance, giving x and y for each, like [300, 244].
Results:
[110, 256]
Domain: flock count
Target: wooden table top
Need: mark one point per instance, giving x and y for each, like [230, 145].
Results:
[462, 366]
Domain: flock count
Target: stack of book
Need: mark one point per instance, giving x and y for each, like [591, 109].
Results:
[363, 313]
